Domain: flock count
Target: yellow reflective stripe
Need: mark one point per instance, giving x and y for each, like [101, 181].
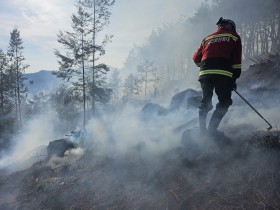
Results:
[236, 66]
[221, 35]
[221, 72]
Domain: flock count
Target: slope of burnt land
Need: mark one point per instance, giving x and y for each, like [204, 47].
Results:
[241, 174]
[262, 78]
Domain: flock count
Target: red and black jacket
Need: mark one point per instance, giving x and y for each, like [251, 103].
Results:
[220, 53]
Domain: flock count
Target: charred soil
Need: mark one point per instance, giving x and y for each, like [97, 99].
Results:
[244, 174]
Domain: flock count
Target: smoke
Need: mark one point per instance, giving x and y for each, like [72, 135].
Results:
[135, 160]
[145, 156]
[70, 157]
[29, 145]
[246, 119]
[112, 133]
[126, 129]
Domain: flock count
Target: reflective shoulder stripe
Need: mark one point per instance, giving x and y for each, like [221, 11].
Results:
[213, 71]
[221, 35]
[236, 66]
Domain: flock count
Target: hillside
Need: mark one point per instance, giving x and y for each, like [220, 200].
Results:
[261, 80]
[41, 81]
[146, 164]
[228, 177]
[264, 74]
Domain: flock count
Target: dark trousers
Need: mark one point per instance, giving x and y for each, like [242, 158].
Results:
[223, 88]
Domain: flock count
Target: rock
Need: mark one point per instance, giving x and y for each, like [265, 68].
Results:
[185, 99]
[151, 109]
[59, 147]
[194, 142]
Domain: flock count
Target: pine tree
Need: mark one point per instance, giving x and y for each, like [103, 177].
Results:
[3, 90]
[79, 61]
[132, 86]
[100, 15]
[66, 102]
[115, 84]
[73, 63]
[147, 72]
[15, 74]
[3, 66]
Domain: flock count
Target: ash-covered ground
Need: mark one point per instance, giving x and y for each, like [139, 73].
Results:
[239, 175]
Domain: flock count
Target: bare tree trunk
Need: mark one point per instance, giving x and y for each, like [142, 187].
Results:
[16, 108]
[18, 93]
[2, 90]
[93, 56]
[258, 29]
[19, 102]
[168, 72]
[146, 84]
[84, 85]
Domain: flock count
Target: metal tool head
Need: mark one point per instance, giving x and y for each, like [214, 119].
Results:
[269, 128]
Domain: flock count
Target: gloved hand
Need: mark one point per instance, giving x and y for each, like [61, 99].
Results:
[233, 87]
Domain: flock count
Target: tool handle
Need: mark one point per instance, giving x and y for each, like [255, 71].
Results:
[247, 102]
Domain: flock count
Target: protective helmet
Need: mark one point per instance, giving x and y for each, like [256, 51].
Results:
[223, 21]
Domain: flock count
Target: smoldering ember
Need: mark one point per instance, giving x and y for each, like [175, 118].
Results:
[132, 138]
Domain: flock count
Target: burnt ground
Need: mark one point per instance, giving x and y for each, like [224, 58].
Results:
[236, 174]
[232, 172]
[261, 79]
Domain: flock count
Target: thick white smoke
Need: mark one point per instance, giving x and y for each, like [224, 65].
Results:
[125, 130]
[30, 144]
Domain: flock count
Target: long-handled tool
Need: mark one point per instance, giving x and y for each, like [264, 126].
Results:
[270, 126]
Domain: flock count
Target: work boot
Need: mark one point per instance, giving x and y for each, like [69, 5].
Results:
[215, 121]
[202, 120]
[216, 133]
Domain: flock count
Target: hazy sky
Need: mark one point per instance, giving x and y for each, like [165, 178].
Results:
[39, 21]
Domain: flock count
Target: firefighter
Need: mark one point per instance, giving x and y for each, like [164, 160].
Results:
[219, 59]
